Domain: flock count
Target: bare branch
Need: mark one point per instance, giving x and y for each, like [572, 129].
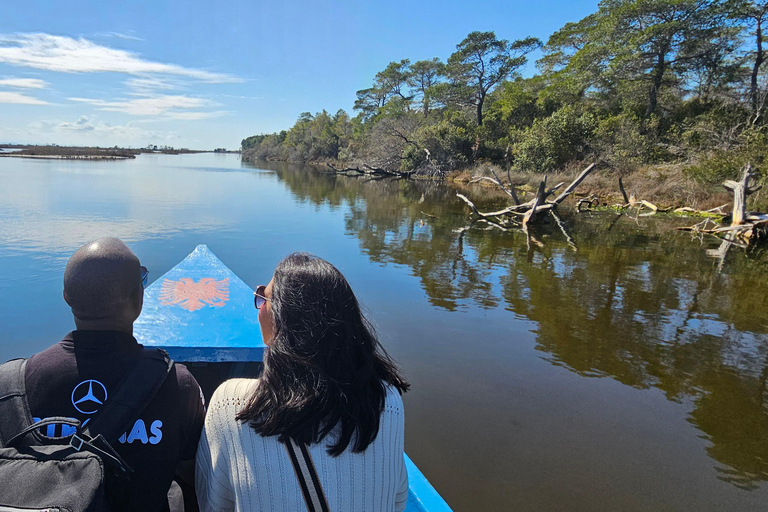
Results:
[623, 192]
[574, 184]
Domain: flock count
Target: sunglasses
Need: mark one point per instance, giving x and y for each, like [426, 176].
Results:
[259, 299]
[144, 276]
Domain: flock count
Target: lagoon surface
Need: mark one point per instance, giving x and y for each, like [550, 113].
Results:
[625, 371]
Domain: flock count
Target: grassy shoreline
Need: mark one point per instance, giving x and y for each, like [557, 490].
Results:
[666, 186]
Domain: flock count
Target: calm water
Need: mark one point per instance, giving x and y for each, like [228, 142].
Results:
[626, 374]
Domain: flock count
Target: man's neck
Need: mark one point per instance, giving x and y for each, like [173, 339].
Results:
[103, 325]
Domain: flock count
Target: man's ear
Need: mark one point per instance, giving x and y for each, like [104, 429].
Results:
[137, 301]
[141, 298]
[66, 299]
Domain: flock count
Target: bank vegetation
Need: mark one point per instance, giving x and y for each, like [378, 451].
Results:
[668, 94]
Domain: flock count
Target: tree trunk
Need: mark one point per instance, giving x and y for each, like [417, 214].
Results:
[741, 190]
[756, 68]
[480, 100]
[658, 75]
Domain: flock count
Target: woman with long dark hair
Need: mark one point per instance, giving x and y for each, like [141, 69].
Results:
[328, 399]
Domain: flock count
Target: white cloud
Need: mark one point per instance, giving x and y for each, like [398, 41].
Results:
[119, 35]
[24, 83]
[194, 116]
[168, 105]
[242, 97]
[20, 99]
[81, 125]
[86, 130]
[68, 55]
[145, 85]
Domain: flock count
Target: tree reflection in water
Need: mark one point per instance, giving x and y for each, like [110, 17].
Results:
[636, 302]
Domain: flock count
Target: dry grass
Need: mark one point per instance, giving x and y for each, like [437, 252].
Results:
[664, 186]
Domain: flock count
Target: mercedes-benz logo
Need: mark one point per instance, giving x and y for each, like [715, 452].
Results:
[88, 396]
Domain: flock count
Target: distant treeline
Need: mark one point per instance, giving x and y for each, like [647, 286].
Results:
[638, 82]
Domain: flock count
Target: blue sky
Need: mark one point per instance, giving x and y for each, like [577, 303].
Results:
[207, 74]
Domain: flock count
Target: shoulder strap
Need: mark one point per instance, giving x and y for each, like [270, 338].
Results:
[133, 395]
[14, 409]
[307, 476]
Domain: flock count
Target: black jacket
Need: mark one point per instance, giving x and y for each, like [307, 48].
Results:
[75, 376]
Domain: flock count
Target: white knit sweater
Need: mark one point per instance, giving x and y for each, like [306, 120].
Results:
[237, 469]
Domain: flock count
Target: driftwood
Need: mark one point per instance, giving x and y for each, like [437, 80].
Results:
[541, 196]
[745, 229]
[687, 209]
[346, 169]
[574, 184]
[530, 211]
[590, 201]
[369, 170]
[385, 172]
[741, 190]
[486, 178]
[630, 201]
[510, 191]
[748, 227]
[537, 205]
[623, 192]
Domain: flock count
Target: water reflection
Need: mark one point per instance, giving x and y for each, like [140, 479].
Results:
[578, 366]
[51, 206]
[636, 301]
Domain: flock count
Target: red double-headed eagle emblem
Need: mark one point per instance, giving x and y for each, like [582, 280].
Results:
[191, 295]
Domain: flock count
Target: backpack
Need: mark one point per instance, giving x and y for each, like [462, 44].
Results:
[79, 473]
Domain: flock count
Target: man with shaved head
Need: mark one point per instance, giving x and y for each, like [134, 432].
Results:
[104, 285]
[100, 285]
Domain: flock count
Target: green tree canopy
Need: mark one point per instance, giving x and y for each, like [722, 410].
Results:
[482, 61]
[423, 77]
[656, 42]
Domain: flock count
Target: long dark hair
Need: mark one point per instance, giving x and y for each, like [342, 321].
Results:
[325, 366]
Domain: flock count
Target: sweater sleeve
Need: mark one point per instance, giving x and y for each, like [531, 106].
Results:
[212, 482]
[401, 498]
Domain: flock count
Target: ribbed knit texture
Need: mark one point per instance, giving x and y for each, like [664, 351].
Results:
[237, 469]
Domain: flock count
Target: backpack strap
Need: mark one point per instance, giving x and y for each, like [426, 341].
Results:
[14, 408]
[53, 420]
[306, 474]
[133, 395]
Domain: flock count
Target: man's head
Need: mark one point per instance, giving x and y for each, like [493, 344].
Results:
[102, 285]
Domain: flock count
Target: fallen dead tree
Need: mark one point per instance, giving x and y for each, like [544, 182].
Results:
[525, 212]
[630, 201]
[368, 170]
[748, 227]
[522, 215]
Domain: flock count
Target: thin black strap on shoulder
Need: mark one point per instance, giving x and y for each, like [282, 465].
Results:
[14, 409]
[307, 476]
[132, 396]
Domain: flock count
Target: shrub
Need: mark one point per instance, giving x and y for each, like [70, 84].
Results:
[626, 140]
[552, 142]
[449, 143]
[723, 164]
